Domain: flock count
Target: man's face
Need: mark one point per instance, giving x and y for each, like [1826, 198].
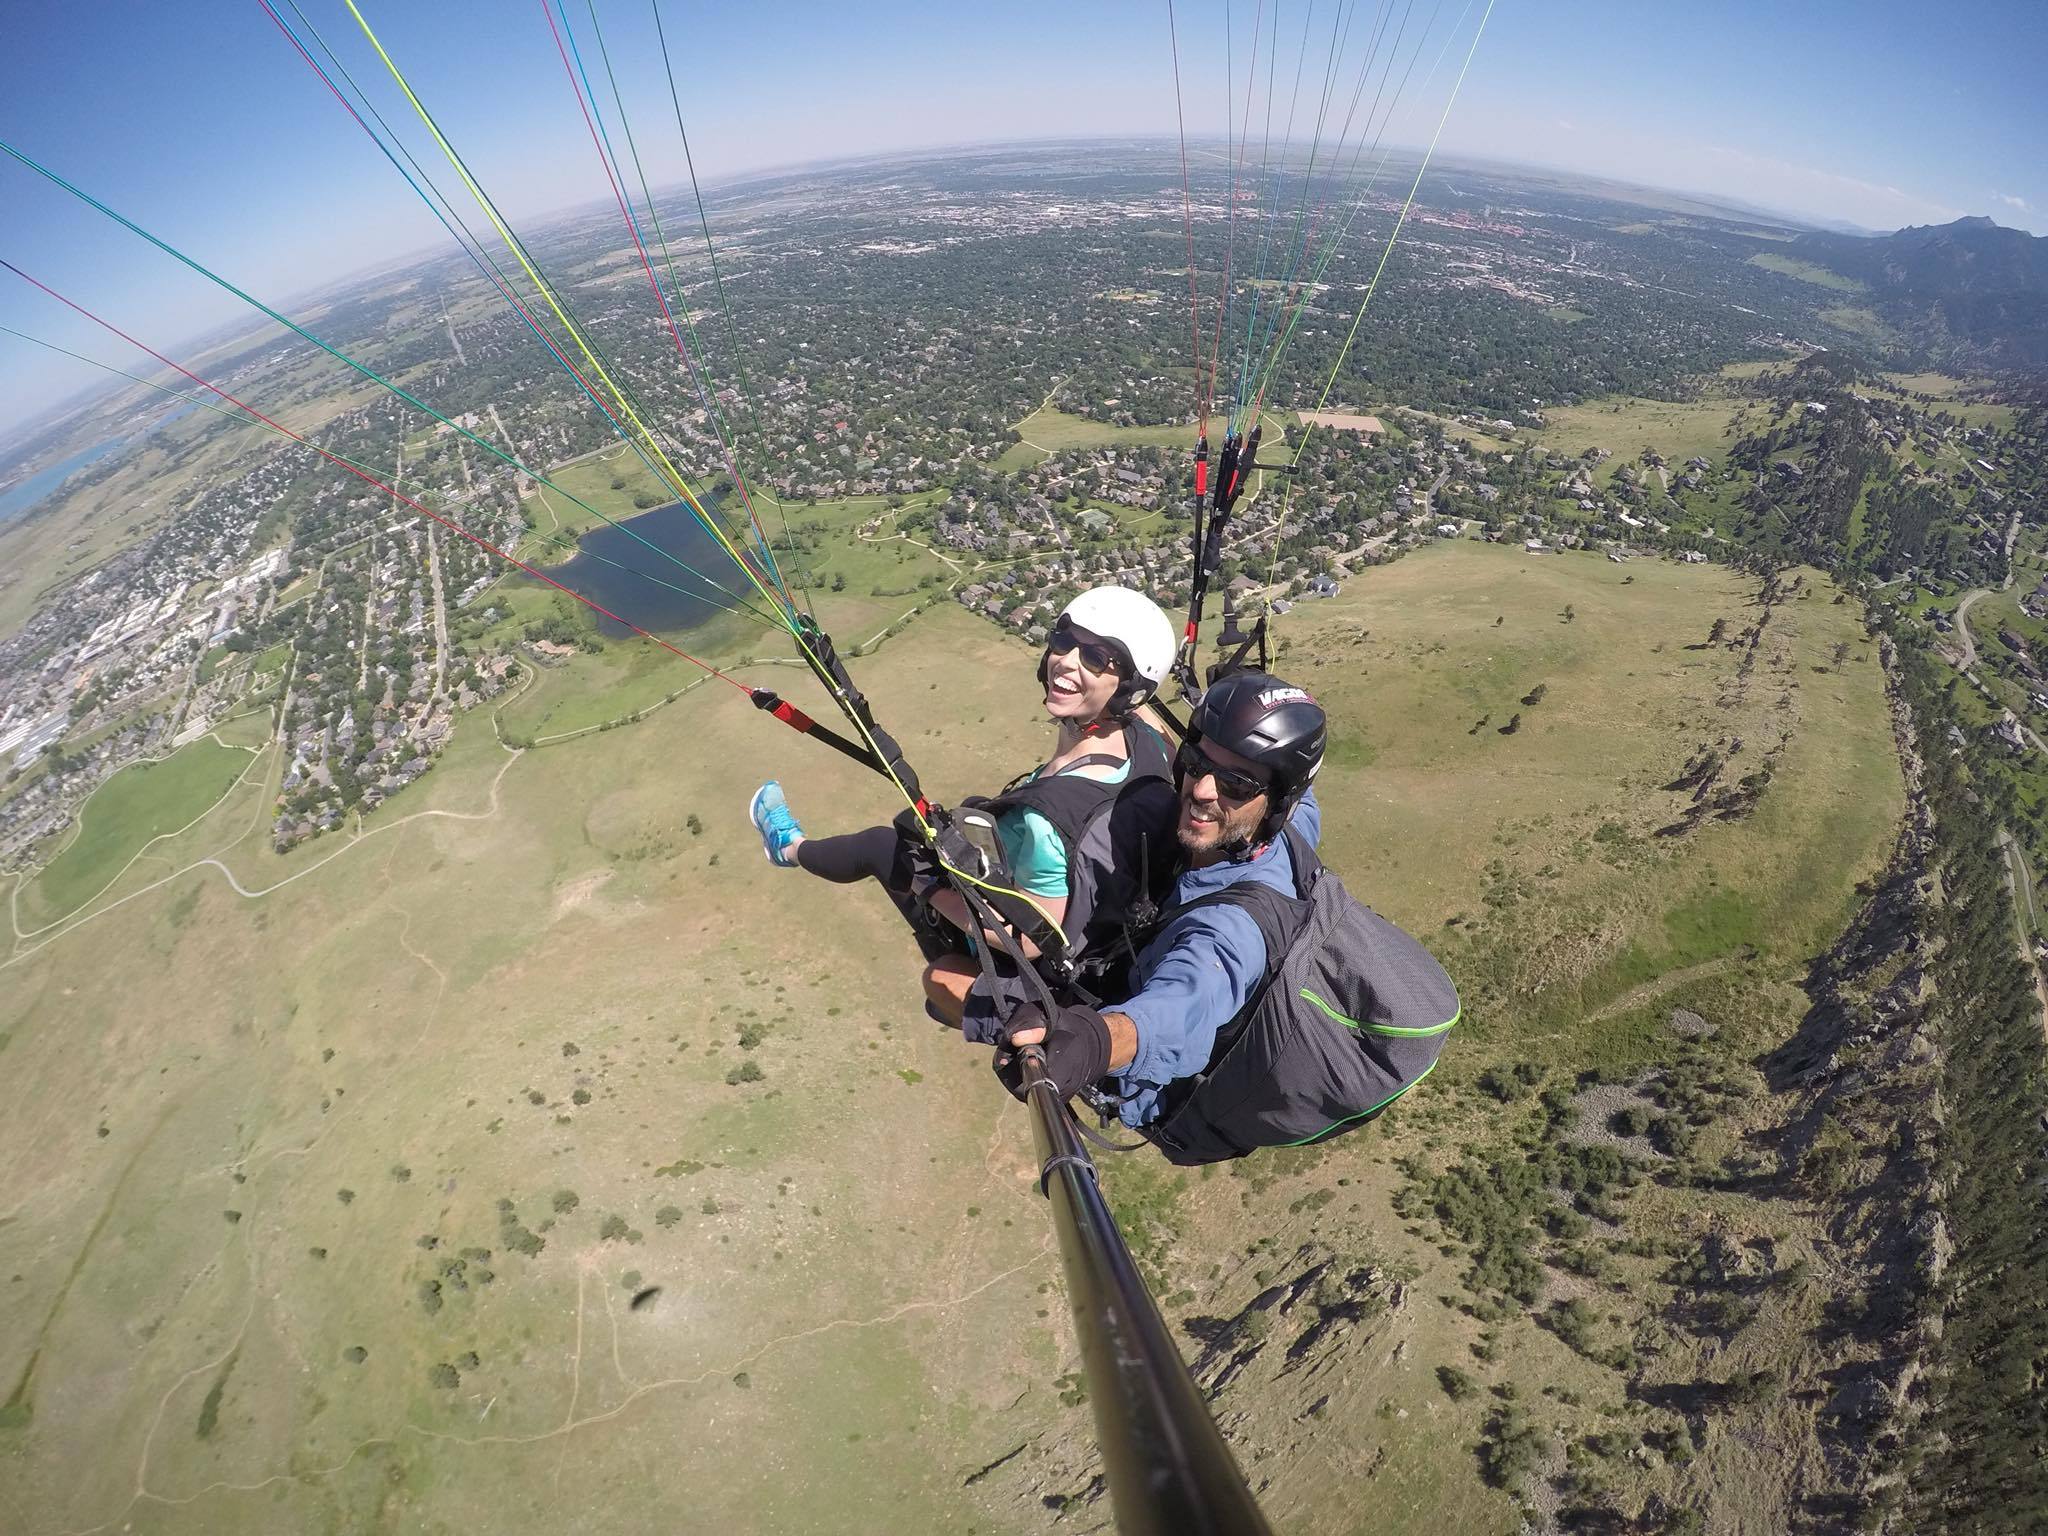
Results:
[1211, 823]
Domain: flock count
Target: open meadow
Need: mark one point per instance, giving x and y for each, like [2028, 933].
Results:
[534, 1153]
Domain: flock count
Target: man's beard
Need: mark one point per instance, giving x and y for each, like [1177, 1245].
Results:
[1239, 837]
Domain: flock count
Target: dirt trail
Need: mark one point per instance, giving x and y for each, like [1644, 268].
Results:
[1670, 981]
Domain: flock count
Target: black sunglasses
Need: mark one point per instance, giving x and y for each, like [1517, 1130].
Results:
[1191, 763]
[1096, 656]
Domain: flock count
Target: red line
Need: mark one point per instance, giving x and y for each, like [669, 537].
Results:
[1230, 245]
[373, 480]
[1187, 219]
[510, 297]
[738, 479]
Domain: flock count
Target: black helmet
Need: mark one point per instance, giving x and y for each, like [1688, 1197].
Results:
[1268, 722]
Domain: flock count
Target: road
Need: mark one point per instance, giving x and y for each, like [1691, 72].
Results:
[1963, 636]
[522, 480]
[2021, 885]
[2018, 881]
[440, 609]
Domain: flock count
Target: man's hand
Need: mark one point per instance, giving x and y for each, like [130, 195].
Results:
[1074, 1043]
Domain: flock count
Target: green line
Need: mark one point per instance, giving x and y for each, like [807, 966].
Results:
[369, 373]
[728, 439]
[1335, 1125]
[732, 332]
[162, 389]
[1394, 1030]
[250, 421]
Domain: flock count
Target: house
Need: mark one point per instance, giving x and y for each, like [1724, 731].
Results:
[1535, 547]
[1321, 586]
[1448, 530]
[1692, 557]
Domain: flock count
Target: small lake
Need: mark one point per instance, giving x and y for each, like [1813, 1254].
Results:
[17, 499]
[674, 529]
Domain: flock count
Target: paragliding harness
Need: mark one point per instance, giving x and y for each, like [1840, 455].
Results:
[1106, 830]
[1350, 1014]
[1108, 833]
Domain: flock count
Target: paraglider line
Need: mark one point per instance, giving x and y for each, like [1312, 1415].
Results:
[605, 157]
[498, 279]
[360, 474]
[1187, 219]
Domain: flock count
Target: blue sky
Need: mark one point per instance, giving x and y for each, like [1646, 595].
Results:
[199, 122]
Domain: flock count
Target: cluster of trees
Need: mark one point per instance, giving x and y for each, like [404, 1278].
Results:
[1974, 1463]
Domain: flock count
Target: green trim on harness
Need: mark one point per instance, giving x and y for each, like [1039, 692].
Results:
[1363, 1113]
[1379, 1029]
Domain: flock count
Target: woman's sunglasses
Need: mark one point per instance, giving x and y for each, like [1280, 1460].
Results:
[1098, 658]
[1192, 763]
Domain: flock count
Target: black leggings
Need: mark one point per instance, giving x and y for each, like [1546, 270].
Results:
[879, 853]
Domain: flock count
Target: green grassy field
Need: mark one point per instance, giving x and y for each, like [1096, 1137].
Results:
[1858, 320]
[1805, 271]
[266, 1126]
[1627, 424]
[125, 814]
[1047, 431]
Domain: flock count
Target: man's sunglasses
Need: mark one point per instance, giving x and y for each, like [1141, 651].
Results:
[1098, 658]
[1192, 763]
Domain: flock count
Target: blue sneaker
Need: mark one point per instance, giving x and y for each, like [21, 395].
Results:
[771, 817]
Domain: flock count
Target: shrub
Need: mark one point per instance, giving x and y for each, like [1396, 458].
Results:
[355, 1354]
[234, 1217]
[344, 1195]
[745, 1072]
[612, 1228]
[400, 1174]
[667, 1216]
[1457, 1384]
[467, 1362]
[1512, 1447]
[565, 1201]
[1503, 1086]
[430, 1296]
[444, 1376]
[569, 1048]
[1633, 1121]
[580, 1096]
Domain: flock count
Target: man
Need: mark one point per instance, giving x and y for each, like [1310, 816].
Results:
[1254, 745]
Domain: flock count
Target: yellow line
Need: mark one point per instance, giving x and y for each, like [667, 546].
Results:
[677, 482]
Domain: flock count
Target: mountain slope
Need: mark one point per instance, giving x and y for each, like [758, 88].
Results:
[1971, 287]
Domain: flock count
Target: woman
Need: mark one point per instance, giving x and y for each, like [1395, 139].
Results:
[1108, 653]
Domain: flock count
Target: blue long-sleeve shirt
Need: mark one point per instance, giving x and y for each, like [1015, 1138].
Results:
[1198, 971]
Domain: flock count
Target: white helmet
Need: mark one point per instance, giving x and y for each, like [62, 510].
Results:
[1137, 627]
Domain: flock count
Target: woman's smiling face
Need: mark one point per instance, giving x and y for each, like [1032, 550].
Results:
[1074, 691]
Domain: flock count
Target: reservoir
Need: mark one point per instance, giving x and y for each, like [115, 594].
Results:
[628, 593]
[18, 498]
